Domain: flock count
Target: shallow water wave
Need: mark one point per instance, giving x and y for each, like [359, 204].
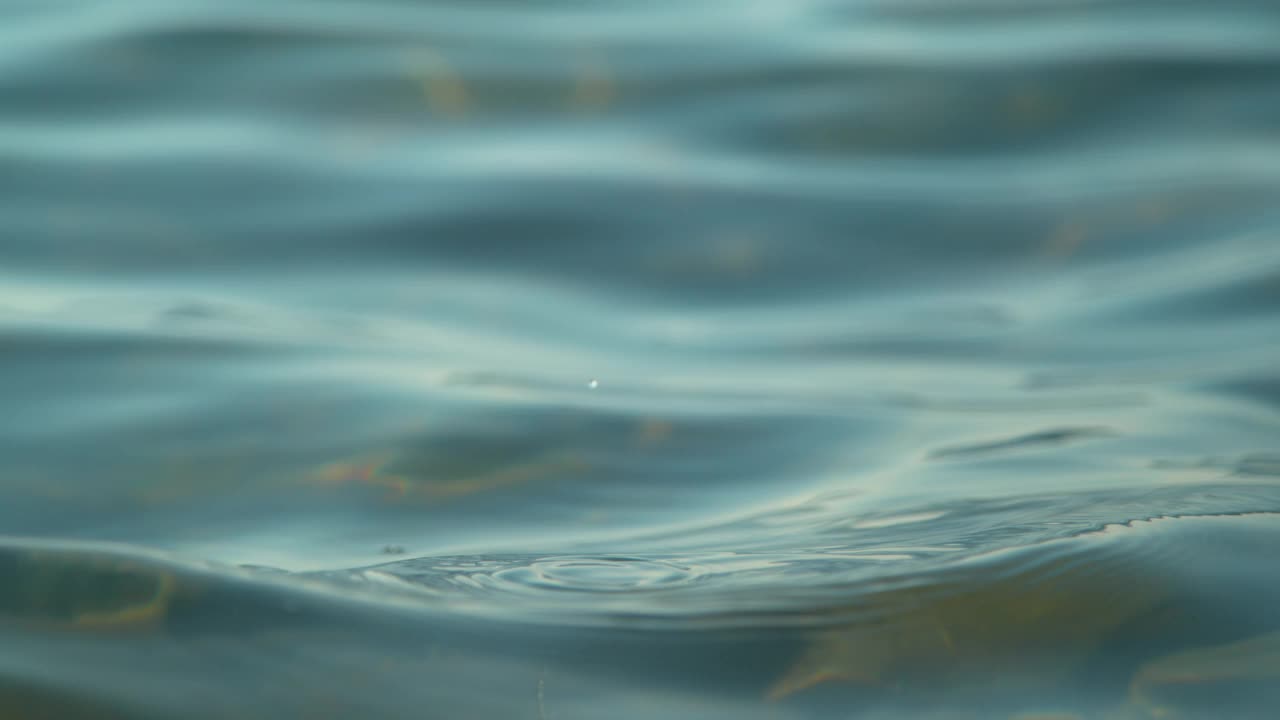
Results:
[1073, 622]
[846, 556]
[765, 360]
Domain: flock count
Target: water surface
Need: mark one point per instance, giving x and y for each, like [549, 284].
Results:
[552, 360]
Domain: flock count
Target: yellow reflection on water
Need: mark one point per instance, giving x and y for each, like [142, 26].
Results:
[84, 592]
[593, 84]
[445, 92]
[393, 474]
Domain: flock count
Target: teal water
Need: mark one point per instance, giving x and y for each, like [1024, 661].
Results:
[552, 360]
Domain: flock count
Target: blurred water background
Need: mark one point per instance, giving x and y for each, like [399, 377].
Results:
[550, 360]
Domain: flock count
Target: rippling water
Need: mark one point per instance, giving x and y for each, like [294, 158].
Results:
[551, 360]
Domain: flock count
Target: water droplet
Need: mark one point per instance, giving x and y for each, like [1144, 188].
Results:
[593, 384]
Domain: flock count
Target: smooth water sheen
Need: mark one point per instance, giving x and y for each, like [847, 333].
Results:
[557, 360]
